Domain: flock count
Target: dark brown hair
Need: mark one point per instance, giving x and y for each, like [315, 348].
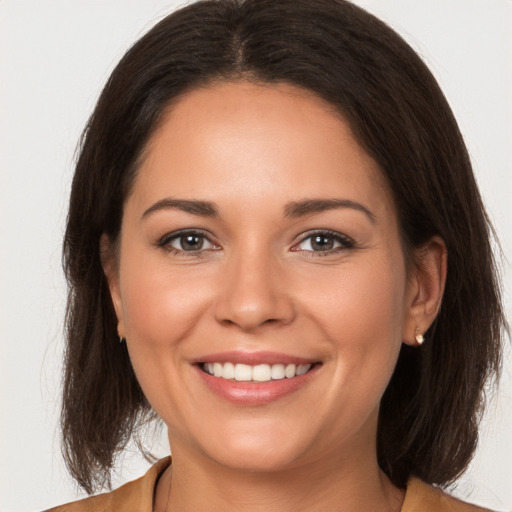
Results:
[429, 413]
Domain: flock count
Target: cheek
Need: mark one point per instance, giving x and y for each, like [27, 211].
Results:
[361, 314]
[160, 305]
[161, 309]
[360, 303]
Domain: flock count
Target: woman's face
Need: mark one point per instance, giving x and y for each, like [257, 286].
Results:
[260, 242]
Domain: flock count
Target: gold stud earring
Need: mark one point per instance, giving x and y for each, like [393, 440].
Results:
[419, 337]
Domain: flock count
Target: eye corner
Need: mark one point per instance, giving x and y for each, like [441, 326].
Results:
[173, 243]
[334, 243]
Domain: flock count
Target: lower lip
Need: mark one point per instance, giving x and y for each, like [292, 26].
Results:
[255, 393]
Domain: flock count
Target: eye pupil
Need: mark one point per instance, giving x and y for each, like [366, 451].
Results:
[322, 242]
[191, 242]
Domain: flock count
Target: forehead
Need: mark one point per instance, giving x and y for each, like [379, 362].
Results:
[255, 139]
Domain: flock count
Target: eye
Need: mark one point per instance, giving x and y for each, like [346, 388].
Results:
[324, 242]
[187, 241]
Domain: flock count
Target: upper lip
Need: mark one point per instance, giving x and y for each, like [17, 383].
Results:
[253, 358]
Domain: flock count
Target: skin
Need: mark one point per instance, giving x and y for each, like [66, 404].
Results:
[257, 284]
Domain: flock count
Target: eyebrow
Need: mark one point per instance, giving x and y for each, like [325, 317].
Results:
[291, 210]
[203, 208]
[310, 206]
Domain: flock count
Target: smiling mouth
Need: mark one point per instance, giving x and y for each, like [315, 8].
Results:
[255, 373]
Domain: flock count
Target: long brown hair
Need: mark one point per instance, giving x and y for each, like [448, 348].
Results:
[429, 413]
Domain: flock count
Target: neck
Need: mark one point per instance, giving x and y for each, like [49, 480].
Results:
[348, 484]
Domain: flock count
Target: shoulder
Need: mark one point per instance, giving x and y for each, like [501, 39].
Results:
[135, 495]
[421, 497]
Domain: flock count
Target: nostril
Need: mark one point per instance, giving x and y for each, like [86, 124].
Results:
[251, 314]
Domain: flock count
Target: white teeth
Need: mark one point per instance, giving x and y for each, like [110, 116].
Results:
[217, 370]
[277, 371]
[302, 369]
[261, 373]
[228, 371]
[257, 373]
[243, 372]
[289, 371]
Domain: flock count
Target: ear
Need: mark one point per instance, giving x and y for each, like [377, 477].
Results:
[109, 262]
[425, 289]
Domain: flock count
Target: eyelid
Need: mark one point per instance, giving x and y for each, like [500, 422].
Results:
[165, 241]
[345, 241]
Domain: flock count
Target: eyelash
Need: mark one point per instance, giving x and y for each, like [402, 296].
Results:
[166, 240]
[344, 243]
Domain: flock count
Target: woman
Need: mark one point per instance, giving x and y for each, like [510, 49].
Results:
[274, 212]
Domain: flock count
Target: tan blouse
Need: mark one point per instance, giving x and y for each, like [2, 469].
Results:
[137, 496]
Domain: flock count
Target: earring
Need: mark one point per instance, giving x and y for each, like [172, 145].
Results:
[121, 339]
[419, 337]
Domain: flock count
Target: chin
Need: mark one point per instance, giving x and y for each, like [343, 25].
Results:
[259, 449]
[261, 459]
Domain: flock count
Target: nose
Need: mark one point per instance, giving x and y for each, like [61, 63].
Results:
[253, 294]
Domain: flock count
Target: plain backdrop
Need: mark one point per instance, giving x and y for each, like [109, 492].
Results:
[55, 56]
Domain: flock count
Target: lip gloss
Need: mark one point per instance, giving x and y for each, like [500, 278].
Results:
[252, 393]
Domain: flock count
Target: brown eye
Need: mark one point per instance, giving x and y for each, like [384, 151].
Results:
[324, 242]
[188, 241]
[191, 242]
